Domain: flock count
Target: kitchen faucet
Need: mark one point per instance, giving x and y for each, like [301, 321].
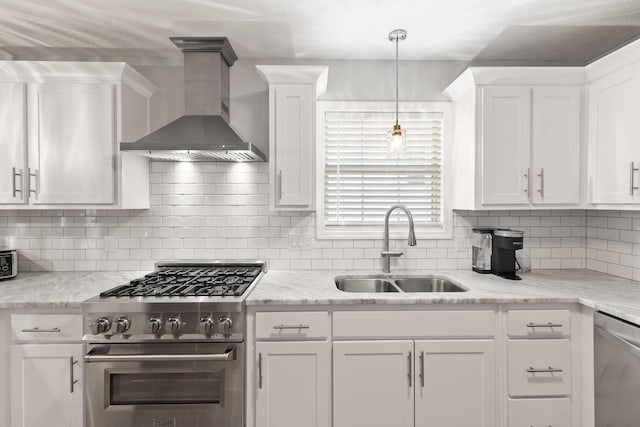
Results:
[386, 253]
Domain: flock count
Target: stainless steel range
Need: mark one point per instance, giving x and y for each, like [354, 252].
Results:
[167, 350]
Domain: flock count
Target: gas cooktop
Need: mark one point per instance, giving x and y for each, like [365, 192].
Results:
[193, 301]
[182, 280]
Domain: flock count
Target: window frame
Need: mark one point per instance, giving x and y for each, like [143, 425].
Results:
[396, 231]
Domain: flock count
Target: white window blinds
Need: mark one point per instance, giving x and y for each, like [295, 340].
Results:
[361, 183]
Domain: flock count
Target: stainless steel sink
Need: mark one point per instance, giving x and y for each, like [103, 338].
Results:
[365, 284]
[428, 284]
[408, 284]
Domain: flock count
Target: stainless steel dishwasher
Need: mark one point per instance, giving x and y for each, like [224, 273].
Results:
[617, 372]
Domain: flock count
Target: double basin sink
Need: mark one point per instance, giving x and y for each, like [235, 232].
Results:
[387, 283]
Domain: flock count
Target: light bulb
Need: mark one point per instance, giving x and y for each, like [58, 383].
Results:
[396, 142]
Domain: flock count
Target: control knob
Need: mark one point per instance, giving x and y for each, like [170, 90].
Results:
[101, 326]
[224, 325]
[155, 325]
[207, 325]
[173, 325]
[122, 325]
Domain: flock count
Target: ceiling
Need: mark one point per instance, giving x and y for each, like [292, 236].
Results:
[333, 29]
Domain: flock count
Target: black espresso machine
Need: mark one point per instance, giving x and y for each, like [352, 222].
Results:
[503, 243]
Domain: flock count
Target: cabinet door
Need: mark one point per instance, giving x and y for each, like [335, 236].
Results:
[614, 137]
[455, 383]
[13, 143]
[506, 123]
[72, 143]
[294, 132]
[556, 145]
[293, 384]
[46, 385]
[373, 384]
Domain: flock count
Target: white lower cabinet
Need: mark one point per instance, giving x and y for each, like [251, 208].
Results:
[422, 383]
[293, 384]
[373, 384]
[47, 381]
[539, 412]
[455, 383]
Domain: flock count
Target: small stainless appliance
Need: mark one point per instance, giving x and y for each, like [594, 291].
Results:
[505, 243]
[8, 263]
[167, 350]
[617, 371]
[481, 250]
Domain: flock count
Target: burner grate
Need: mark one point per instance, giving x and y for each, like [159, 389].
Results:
[189, 281]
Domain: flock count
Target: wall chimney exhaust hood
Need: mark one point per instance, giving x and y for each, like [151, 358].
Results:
[203, 133]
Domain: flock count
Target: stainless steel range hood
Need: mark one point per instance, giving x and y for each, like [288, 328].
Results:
[203, 133]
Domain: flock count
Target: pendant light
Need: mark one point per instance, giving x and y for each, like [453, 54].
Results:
[397, 137]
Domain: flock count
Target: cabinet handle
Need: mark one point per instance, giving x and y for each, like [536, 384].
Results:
[260, 370]
[72, 380]
[548, 370]
[526, 175]
[422, 369]
[279, 192]
[541, 176]
[281, 327]
[37, 329]
[37, 177]
[13, 179]
[632, 186]
[410, 370]
[544, 325]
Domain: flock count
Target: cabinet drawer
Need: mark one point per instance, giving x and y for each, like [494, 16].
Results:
[539, 412]
[539, 367]
[413, 324]
[46, 327]
[538, 323]
[293, 325]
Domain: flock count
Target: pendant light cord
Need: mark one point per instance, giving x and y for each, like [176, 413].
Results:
[397, 39]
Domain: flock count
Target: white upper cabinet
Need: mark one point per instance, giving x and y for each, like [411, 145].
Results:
[293, 91]
[505, 144]
[517, 138]
[555, 145]
[13, 138]
[614, 128]
[72, 156]
[66, 121]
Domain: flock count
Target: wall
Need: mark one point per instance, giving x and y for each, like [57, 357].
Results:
[220, 211]
[613, 243]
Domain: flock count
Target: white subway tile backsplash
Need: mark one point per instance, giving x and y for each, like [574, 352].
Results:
[219, 210]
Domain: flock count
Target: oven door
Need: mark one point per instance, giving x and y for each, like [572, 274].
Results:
[164, 385]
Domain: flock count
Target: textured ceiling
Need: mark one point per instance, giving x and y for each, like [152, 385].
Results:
[354, 29]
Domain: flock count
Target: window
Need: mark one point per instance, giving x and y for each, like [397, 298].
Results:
[357, 182]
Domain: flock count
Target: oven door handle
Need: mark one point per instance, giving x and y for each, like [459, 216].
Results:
[228, 355]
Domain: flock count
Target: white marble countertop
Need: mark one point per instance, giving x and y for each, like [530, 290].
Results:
[58, 289]
[617, 296]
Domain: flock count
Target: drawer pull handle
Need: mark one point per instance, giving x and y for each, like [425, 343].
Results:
[548, 370]
[281, 327]
[544, 325]
[36, 329]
